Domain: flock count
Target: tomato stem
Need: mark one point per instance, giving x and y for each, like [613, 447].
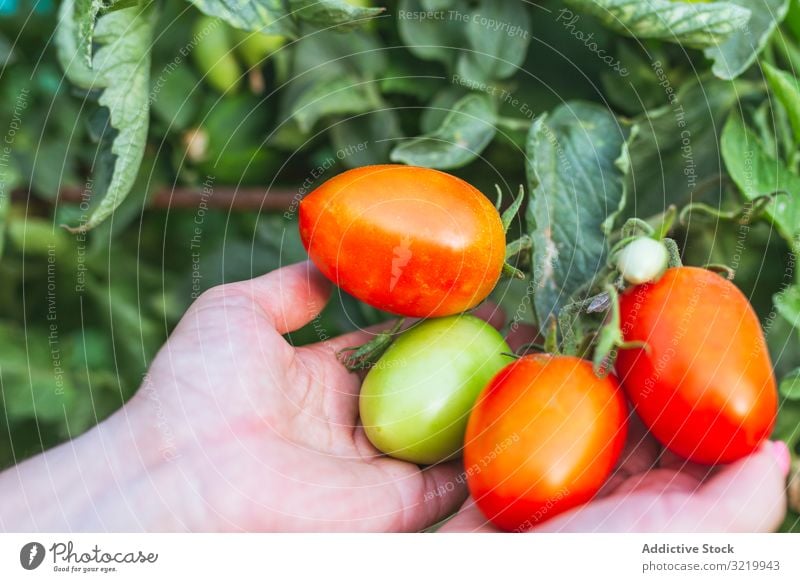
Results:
[525, 348]
[745, 213]
[666, 223]
[512, 210]
[364, 356]
[674, 253]
[722, 269]
[511, 272]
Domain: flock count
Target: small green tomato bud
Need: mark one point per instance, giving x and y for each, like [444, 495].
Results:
[643, 260]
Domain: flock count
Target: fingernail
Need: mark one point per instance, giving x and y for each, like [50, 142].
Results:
[782, 456]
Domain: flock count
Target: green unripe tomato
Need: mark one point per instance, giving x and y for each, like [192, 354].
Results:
[416, 401]
[214, 54]
[254, 47]
[642, 260]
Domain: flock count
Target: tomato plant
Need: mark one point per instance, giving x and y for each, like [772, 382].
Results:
[408, 240]
[703, 381]
[415, 401]
[542, 438]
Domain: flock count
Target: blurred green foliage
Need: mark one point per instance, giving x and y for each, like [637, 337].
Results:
[82, 315]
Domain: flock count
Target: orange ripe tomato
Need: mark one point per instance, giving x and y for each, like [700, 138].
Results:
[543, 437]
[704, 384]
[411, 241]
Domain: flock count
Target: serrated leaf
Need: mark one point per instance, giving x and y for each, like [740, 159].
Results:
[695, 24]
[575, 185]
[123, 65]
[430, 39]
[333, 13]
[121, 71]
[756, 174]
[497, 33]
[787, 90]
[735, 55]
[338, 96]
[267, 16]
[465, 132]
[86, 12]
[85, 15]
[676, 145]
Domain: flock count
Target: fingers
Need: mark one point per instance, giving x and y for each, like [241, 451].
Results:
[745, 496]
[468, 519]
[639, 455]
[443, 489]
[748, 495]
[289, 297]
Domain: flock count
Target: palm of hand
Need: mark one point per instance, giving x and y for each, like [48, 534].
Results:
[265, 436]
[271, 430]
[652, 490]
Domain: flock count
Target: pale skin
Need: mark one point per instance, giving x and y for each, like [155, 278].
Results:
[236, 430]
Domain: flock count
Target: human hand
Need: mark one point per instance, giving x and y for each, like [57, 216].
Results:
[235, 429]
[653, 490]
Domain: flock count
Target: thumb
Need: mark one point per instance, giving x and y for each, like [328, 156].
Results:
[289, 297]
[748, 495]
[745, 496]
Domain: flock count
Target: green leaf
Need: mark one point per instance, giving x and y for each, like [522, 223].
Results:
[675, 146]
[86, 12]
[366, 139]
[336, 13]
[733, 56]
[793, 18]
[430, 39]
[433, 5]
[68, 51]
[790, 385]
[694, 24]
[147, 181]
[174, 97]
[497, 33]
[637, 89]
[465, 132]
[756, 174]
[336, 96]
[575, 185]
[787, 427]
[787, 90]
[9, 179]
[437, 108]
[33, 376]
[121, 69]
[787, 304]
[267, 16]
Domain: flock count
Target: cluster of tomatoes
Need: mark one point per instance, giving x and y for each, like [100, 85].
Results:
[540, 434]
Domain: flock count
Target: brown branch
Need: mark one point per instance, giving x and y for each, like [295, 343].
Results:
[228, 198]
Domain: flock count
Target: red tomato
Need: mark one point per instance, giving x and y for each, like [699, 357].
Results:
[704, 385]
[411, 241]
[542, 438]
